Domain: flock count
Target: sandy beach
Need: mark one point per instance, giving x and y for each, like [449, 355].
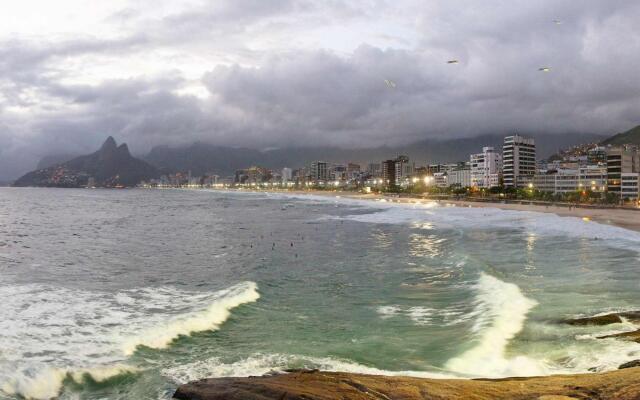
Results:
[627, 218]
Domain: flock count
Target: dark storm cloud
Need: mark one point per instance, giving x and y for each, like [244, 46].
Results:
[264, 93]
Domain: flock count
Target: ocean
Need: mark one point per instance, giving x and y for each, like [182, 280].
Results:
[125, 294]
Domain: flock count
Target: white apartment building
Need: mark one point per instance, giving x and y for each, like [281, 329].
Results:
[518, 160]
[486, 168]
[591, 178]
[621, 160]
[403, 169]
[440, 179]
[629, 185]
[287, 175]
[459, 177]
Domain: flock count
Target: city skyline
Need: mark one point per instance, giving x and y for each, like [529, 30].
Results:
[309, 73]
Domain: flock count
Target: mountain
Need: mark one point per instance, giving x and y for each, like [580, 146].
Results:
[201, 158]
[111, 166]
[632, 136]
[55, 159]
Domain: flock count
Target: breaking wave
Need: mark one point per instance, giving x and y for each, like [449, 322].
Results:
[56, 333]
[501, 311]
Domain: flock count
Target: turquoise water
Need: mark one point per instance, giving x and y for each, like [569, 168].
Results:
[126, 294]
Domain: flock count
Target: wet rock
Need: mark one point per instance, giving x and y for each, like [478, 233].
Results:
[607, 319]
[599, 320]
[630, 364]
[633, 335]
[318, 385]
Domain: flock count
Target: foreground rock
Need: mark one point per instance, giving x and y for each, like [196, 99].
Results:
[315, 385]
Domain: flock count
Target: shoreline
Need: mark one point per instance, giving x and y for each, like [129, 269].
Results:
[319, 385]
[627, 218]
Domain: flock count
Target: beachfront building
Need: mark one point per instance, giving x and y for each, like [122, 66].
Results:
[374, 170]
[287, 175]
[460, 175]
[567, 181]
[518, 160]
[629, 186]
[589, 178]
[620, 160]
[353, 171]
[210, 180]
[338, 172]
[593, 178]
[404, 169]
[254, 175]
[486, 168]
[389, 172]
[440, 179]
[319, 172]
[545, 181]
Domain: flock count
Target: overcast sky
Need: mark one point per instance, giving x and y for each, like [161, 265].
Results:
[274, 73]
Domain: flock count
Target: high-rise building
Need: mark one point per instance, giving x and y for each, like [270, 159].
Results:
[319, 171]
[287, 175]
[519, 160]
[620, 160]
[338, 172]
[374, 170]
[486, 168]
[353, 171]
[389, 172]
[403, 169]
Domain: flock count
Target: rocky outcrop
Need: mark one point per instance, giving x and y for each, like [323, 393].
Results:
[316, 385]
[632, 335]
[606, 319]
[630, 364]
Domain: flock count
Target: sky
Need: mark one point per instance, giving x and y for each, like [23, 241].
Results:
[280, 73]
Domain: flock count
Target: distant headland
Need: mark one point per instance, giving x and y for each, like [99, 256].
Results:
[112, 166]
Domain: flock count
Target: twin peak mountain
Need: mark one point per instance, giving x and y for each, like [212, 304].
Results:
[111, 166]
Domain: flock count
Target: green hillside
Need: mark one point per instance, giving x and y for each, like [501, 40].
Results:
[632, 136]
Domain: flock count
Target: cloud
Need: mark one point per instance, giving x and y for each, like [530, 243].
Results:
[273, 74]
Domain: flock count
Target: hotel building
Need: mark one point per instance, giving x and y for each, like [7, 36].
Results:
[519, 160]
[620, 160]
[486, 168]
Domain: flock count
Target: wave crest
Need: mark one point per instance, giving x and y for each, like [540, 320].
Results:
[162, 335]
[502, 310]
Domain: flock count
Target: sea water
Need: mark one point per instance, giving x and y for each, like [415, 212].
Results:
[121, 294]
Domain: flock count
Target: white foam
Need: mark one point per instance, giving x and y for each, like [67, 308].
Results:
[161, 335]
[446, 216]
[501, 311]
[46, 382]
[260, 364]
[388, 311]
[54, 333]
